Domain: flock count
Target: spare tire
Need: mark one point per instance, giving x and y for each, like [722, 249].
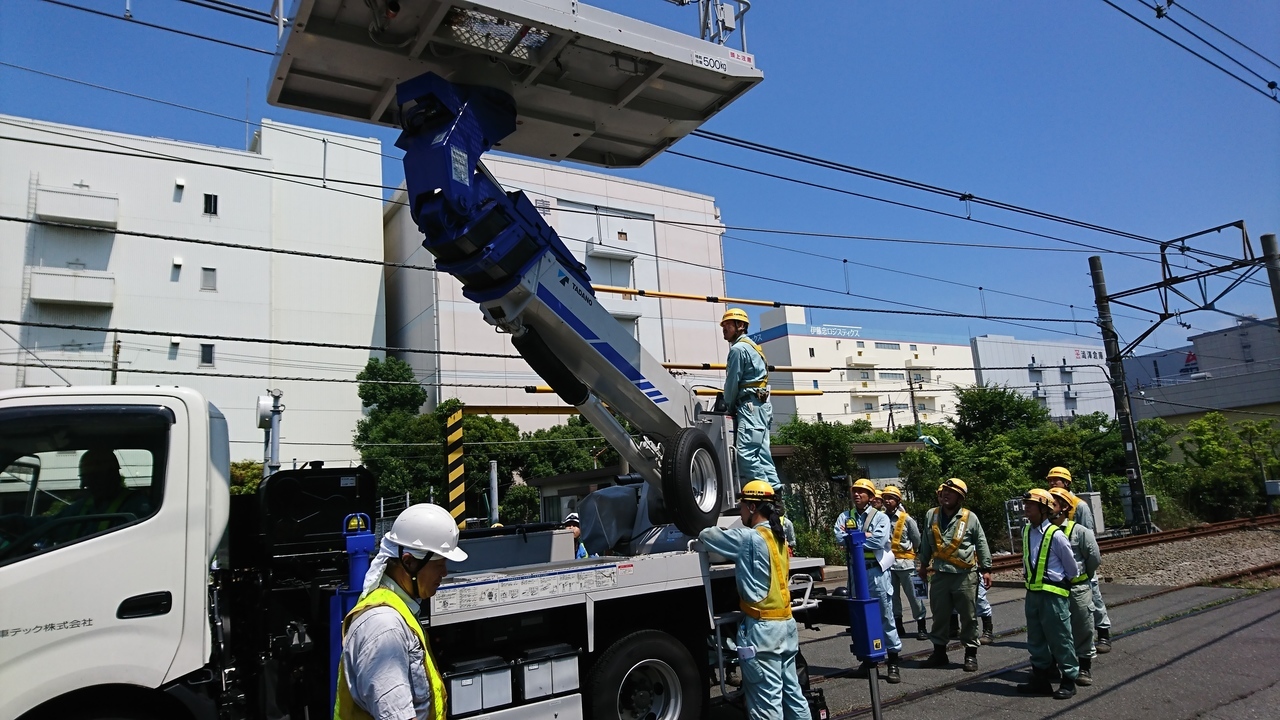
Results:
[692, 481]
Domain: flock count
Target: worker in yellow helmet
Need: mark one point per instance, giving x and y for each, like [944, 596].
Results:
[904, 540]
[746, 397]
[875, 525]
[768, 641]
[1084, 547]
[953, 554]
[1048, 566]
[1079, 511]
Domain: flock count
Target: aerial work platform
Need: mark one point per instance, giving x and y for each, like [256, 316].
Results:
[590, 85]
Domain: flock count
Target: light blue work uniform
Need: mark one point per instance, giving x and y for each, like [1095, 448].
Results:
[769, 679]
[1084, 516]
[875, 524]
[745, 370]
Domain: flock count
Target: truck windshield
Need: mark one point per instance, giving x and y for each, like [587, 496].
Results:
[69, 473]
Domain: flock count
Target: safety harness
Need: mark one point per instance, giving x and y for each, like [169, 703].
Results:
[776, 604]
[868, 556]
[948, 552]
[899, 527]
[345, 707]
[761, 386]
[1068, 528]
[1035, 576]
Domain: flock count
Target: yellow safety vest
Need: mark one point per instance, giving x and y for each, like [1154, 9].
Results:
[1083, 577]
[947, 553]
[776, 604]
[756, 383]
[1035, 576]
[345, 707]
[899, 527]
[1075, 503]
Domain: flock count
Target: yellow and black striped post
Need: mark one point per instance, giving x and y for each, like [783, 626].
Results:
[454, 468]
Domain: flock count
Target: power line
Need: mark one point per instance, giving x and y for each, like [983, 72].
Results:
[1183, 7]
[265, 341]
[234, 10]
[1157, 31]
[1209, 408]
[164, 28]
[1161, 13]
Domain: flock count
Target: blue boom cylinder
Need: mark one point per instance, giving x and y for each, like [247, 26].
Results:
[864, 611]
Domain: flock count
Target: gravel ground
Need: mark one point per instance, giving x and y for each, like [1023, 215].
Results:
[1185, 561]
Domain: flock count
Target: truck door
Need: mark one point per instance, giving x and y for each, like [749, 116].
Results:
[92, 565]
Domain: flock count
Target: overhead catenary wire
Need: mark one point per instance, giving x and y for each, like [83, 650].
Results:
[1183, 7]
[234, 10]
[164, 28]
[1162, 14]
[1159, 32]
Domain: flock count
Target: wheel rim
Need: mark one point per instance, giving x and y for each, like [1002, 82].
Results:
[703, 481]
[650, 691]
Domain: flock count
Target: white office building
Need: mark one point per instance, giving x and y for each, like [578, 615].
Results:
[870, 378]
[1068, 378]
[95, 275]
[620, 229]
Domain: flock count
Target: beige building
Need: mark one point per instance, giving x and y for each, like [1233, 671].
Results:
[621, 229]
[868, 377]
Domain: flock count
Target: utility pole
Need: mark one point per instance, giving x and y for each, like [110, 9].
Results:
[1120, 393]
[1271, 255]
[115, 354]
[493, 493]
[915, 412]
[269, 411]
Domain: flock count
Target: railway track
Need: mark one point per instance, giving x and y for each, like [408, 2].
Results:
[1128, 542]
[1258, 570]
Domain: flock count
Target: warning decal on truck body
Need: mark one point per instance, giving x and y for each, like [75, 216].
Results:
[500, 589]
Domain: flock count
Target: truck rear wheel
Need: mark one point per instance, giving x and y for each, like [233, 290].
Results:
[692, 481]
[647, 675]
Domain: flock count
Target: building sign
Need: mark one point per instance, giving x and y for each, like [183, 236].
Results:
[1090, 355]
[839, 331]
[1191, 365]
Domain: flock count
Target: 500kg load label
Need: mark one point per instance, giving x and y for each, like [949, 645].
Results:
[504, 589]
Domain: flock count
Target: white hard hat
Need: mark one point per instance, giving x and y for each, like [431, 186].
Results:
[426, 528]
[571, 519]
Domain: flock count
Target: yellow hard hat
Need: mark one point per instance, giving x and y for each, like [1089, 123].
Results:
[955, 484]
[1060, 472]
[891, 491]
[756, 491]
[866, 485]
[1062, 494]
[1038, 495]
[735, 314]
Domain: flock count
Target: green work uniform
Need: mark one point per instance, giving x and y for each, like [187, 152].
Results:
[1084, 546]
[955, 548]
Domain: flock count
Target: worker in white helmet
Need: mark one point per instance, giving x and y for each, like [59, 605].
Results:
[746, 395]
[387, 668]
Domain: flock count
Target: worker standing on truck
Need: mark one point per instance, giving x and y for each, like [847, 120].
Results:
[572, 522]
[387, 668]
[767, 638]
[746, 395]
[1079, 511]
[876, 526]
[953, 554]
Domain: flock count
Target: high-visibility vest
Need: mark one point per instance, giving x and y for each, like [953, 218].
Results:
[899, 528]
[947, 553]
[1083, 577]
[868, 555]
[776, 604]
[1035, 576]
[756, 383]
[345, 707]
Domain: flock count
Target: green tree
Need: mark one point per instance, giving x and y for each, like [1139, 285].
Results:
[983, 411]
[572, 446]
[245, 477]
[521, 504]
[389, 386]
[1223, 477]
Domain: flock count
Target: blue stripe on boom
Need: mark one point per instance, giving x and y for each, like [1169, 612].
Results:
[565, 314]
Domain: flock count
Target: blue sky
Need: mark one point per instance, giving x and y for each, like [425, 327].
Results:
[1069, 108]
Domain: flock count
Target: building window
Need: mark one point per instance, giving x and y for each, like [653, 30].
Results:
[206, 355]
[210, 204]
[815, 384]
[868, 406]
[861, 344]
[864, 375]
[810, 352]
[622, 236]
[208, 278]
[920, 406]
[893, 376]
[912, 348]
[917, 377]
[888, 346]
[819, 417]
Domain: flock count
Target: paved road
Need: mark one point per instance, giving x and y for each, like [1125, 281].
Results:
[1222, 662]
